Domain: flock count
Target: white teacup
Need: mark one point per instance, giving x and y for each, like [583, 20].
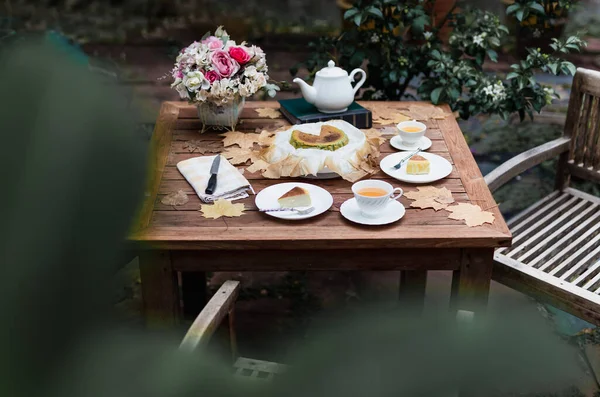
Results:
[372, 205]
[411, 138]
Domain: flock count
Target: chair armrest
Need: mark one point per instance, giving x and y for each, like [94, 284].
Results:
[211, 316]
[522, 162]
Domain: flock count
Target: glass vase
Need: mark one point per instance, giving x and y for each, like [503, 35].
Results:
[221, 116]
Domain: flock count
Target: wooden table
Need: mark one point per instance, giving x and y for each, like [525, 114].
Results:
[180, 241]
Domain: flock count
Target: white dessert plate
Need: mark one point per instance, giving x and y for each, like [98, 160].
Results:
[398, 143]
[439, 168]
[392, 213]
[267, 199]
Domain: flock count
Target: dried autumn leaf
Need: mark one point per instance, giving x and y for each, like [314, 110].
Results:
[374, 135]
[424, 112]
[430, 197]
[471, 214]
[245, 140]
[268, 112]
[258, 165]
[266, 138]
[388, 115]
[237, 155]
[222, 208]
[203, 147]
[176, 198]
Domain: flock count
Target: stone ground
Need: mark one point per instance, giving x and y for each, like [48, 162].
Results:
[278, 306]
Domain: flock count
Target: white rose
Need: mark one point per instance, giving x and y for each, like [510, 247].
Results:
[261, 64]
[250, 71]
[247, 89]
[260, 80]
[195, 81]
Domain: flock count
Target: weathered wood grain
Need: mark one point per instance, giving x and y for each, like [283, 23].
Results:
[525, 161]
[344, 259]
[158, 155]
[211, 316]
[160, 291]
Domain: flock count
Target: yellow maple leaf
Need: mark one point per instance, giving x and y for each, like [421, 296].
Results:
[245, 140]
[471, 214]
[426, 111]
[258, 165]
[222, 208]
[268, 112]
[266, 138]
[430, 197]
[238, 155]
[176, 198]
[388, 115]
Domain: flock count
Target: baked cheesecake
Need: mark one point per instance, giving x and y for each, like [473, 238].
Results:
[417, 165]
[297, 197]
[330, 138]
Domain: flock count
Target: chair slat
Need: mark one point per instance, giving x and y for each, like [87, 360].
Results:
[570, 247]
[547, 217]
[581, 265]
[580, 130]
[588, 149]
[579, 216]
[548, 228]
[592, 138]
[581, 251]
[513, 221]
[593, 256]
[565, 240]
[590, 270]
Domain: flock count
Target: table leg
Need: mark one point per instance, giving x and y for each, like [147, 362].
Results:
[412, 288]
[160, 292]
[471, 283]
[193, 293]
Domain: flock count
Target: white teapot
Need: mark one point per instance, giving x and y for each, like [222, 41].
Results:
[332, 91]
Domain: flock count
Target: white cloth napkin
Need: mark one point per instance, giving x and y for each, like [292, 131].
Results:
[231, 184]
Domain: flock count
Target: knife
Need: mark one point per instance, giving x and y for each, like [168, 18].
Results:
[214, 170]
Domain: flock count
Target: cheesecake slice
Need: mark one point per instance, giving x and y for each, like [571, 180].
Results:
[297, 197]
[418, 165]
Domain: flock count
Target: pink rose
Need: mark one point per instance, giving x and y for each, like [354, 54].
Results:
[223, 64]
[240, 55]
[213, 43]
[212, 76]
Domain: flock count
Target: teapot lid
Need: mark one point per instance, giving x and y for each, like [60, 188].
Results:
[332, 71]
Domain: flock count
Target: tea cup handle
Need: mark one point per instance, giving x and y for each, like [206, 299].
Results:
[396, 196]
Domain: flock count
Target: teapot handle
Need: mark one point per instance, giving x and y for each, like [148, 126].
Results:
[360, 82]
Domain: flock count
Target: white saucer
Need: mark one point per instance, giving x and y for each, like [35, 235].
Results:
[267, 199]
[440, 168]
[393, 212]
[398, 143]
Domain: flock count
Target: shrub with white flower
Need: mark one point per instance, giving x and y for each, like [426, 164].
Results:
[218, 70]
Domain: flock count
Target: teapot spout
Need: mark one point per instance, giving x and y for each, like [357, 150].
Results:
[308, 92]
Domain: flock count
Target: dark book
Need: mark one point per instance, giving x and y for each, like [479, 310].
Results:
[298, 111]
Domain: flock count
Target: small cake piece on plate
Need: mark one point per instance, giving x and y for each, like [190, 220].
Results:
[297, 197]
[417, 165]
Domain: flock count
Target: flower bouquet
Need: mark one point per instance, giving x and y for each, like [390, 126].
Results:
[217, 75]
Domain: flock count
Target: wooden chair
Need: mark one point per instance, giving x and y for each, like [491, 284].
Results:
[221, 305]
[555, 254]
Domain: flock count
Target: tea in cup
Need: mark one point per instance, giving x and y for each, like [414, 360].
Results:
[373, 196]
[411, 132]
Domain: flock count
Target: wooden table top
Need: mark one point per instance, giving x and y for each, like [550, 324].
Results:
[183, 227]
